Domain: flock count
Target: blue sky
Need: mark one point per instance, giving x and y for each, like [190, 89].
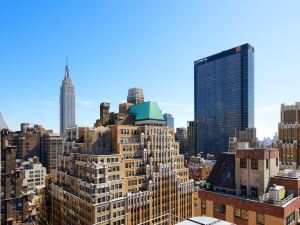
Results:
[114, 45]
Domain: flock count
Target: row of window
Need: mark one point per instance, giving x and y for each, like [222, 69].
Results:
[131, 165]
[113, 177]
[116, 186]
[127, 131]
[134, 182]
[133, 156]
[238, 213]
[131, 147]
[254, 163]
[156, 131]
[129, 140]
[36, 171]
[113, 169]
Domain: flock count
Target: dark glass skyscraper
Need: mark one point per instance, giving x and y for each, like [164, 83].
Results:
[224, 97]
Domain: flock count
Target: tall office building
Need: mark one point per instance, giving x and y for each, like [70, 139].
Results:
[224, 97]
[67, 103]
[124, 174]
[169, 119]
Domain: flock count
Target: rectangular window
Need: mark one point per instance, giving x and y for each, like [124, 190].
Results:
[243, 189]
[290, 219]
[219, 208]
[241, 213]
[254, 164]
[267, 163]
[277, 161]
[253, 192]
[260, 219]
[243, 163]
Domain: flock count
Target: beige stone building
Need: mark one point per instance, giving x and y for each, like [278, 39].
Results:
[289, 136]
[125, 174]
[51, 149]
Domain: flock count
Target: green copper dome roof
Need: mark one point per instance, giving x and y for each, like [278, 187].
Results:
[146, 111]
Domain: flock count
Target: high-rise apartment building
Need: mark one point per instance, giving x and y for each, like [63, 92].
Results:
[223, 97]
[67, 103]
[51, 150]
[289, 136]
[169, 119]
[124, 174]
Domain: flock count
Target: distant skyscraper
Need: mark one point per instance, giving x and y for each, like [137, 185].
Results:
[224, 97]
[135, 95]
[182, 137]
[170, 120]
[288, 136]
[191, 137]
[67, 103]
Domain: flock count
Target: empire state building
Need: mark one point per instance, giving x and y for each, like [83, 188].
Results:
[67, 103]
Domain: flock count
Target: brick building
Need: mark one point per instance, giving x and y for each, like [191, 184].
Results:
[245, 188]
[199, 168]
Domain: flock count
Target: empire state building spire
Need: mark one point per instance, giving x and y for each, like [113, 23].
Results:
[67, 71]
[67, 102]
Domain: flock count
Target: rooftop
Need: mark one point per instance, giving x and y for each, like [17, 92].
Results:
[204, 220]
[146, 111]
[223, 54]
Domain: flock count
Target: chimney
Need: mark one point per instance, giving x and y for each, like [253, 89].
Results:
[104, 113]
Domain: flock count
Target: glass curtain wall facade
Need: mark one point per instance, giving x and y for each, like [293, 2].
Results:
[223, 97]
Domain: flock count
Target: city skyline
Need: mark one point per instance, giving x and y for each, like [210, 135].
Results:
[108, 51]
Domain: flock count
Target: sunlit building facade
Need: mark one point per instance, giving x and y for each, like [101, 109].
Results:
[140, 180]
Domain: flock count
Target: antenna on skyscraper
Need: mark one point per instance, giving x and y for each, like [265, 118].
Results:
[67, 61]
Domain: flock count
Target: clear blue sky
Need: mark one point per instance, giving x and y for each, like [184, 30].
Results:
[114, 45]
